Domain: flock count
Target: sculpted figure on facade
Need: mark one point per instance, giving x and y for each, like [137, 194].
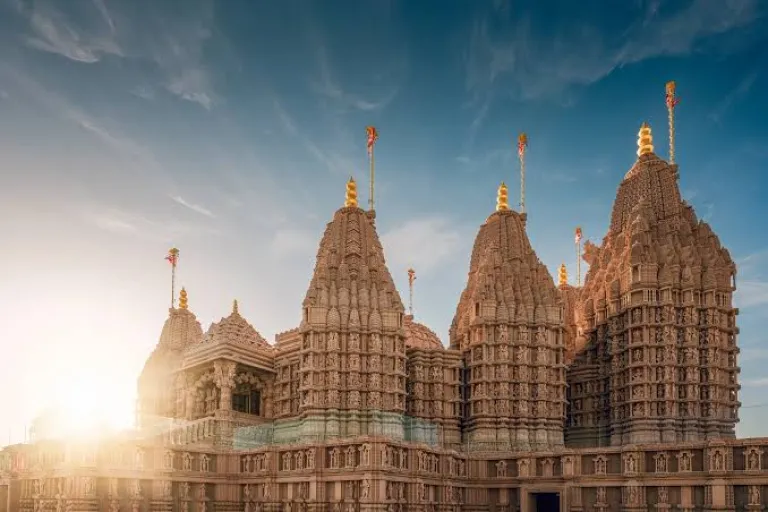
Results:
[754, 495]
[684, 460]
[601, 464]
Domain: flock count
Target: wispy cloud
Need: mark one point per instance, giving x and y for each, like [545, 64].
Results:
[424, 243]
[741, 90]
[330, 88]
[54, 31]
[515, 55]
[494, 157]
[194, 207]
[123, 222]
[286, 121]
[114, 221]
[171, 41]
[103, 130]
[335, 161]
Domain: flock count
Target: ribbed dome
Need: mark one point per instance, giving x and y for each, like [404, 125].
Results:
[506, 275]
[350, 273]
[235, 329]
[654, 180]
[180, 330]
[419, 335]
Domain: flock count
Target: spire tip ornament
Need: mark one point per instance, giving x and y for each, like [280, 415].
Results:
[562, 275]
[351, 197]
[183, 299]
[235, 309]
[644, 140]
[502, 198]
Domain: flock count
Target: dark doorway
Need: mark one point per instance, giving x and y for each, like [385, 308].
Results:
[545, 502]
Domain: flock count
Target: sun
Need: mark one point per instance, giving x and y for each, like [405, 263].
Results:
[85, 407]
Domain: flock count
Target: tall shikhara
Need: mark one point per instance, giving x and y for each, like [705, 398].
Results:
[352, 369]
[660, 358]
[509, 327]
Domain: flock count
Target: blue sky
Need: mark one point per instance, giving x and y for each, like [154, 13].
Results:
[229, 128]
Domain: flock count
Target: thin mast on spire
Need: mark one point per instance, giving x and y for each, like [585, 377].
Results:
[672, 101]
[373, 135]
[411, 279]
[173, 259]
[577, 240]
[522, 144]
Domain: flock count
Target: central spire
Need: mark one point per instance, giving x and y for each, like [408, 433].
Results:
[351, 198]
[644, 140]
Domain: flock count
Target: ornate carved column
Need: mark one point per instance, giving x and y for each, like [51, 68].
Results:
[224, 377]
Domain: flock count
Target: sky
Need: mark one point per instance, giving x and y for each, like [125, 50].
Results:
[228, 129]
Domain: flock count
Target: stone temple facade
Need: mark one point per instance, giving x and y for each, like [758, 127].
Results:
[618, 395]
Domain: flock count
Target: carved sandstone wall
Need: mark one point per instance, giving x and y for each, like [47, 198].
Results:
[509, 327]
[660, 364]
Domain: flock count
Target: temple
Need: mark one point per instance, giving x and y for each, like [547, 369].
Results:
[618, 395]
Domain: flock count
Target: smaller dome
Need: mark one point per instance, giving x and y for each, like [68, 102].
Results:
[420, 336]
[235, 329]
[180, 330]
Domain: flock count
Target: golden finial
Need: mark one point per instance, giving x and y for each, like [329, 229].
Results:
[644, 140]
[502, 199]
[562, 275]
[183, 299]
[234, 308]
[351, 199]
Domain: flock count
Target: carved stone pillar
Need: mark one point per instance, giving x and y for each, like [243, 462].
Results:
[224, 377]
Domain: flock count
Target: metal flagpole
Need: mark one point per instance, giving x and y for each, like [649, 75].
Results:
[578, 255]
[372, 136]
[173, 259]
[411, 279]
[522, 143]
[672, 101]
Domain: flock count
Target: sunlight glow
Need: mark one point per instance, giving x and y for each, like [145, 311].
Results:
[84, 408]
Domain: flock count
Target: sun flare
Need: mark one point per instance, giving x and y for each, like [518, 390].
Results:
[84, 408]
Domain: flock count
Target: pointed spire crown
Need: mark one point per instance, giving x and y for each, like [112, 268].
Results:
[235, 309]
[351, 197]
[562, 275]
[183, 299]
[502, 198]
[644, 140]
